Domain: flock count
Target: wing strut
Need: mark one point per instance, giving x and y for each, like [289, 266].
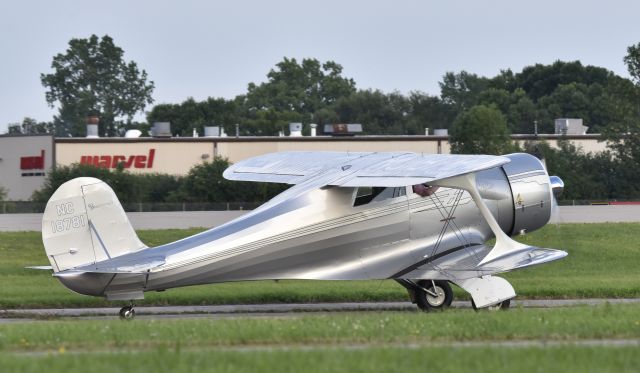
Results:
[504, 244]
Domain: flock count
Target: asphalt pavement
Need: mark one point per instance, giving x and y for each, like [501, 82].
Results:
[272, 310]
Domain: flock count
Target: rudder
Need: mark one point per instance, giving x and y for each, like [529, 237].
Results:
[84, 223]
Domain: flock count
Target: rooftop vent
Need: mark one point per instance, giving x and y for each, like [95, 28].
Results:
[92, 127]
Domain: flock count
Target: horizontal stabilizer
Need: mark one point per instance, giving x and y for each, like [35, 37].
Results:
[117, 266]
[44, 268]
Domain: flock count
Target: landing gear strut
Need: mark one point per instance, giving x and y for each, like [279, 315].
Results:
[127, 312]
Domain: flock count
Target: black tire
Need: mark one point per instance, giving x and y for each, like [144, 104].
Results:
[502, 306]
[426, 302]
[127, 313]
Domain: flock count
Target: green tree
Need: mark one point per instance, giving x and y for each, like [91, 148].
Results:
[568, 101]
[461, 90]
[522, 113]
[379, 113]
[427, 111]
[304, 88]
[92, 78]
[542, 80]
[624, 132]
[205, 183]
[128, 187]
[121, 181]
[621, 104]
[30, 126]
[480, 130]
[632, 60]
[191, 114]
[268, 122]
[574, 167]
[3, 193]
[588, 176]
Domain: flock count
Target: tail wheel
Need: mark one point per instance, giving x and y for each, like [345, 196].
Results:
[433, 295]
[504, 305]
[127, 313]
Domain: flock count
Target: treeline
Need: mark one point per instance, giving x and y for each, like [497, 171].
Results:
[203, 183]
[311, 92]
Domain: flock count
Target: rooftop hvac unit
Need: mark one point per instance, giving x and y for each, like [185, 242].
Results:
[295, 129]
[211, 131]
[350, 129]
[570, 126]
[161, 129]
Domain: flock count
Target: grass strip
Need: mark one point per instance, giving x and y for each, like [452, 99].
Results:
[575, 323]
[379, 359]
[602, 263]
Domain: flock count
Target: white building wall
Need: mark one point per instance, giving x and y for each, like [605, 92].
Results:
[24, 164]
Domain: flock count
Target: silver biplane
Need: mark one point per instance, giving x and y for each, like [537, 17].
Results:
[420, 219]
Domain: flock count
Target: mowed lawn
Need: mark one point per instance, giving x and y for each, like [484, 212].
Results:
[603, 261]
[599, 338]
[561, 359]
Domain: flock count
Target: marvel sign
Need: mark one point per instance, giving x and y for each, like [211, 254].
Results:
[33, 162]
[112, 161]
[32, 165]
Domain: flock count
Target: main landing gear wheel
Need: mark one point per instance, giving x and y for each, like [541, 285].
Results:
[127, 313]
[433, 295]
[504, 305]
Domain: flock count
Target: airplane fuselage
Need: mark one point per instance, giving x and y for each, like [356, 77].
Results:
[343, 233]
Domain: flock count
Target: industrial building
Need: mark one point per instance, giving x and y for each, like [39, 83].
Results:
[25, 160]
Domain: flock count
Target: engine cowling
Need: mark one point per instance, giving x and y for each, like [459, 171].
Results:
[532, 192]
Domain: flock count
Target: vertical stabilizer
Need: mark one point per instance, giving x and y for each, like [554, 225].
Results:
[84, 223]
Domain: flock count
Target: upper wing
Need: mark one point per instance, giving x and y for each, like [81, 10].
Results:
[289, 167]
[393, 169]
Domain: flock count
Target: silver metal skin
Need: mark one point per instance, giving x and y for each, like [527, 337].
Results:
[557, 185]
[320, 230]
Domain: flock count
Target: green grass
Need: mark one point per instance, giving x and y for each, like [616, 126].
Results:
[603, 262]
[457, 340]
[396, 359]
[371, 328]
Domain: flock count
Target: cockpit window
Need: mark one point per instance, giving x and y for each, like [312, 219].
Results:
[366, 195]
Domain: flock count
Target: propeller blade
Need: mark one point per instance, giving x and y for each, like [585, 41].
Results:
[557, 186]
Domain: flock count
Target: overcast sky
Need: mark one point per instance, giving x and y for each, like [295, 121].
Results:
[214, 48]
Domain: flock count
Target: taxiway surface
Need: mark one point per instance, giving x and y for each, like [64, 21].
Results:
[271, 310]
